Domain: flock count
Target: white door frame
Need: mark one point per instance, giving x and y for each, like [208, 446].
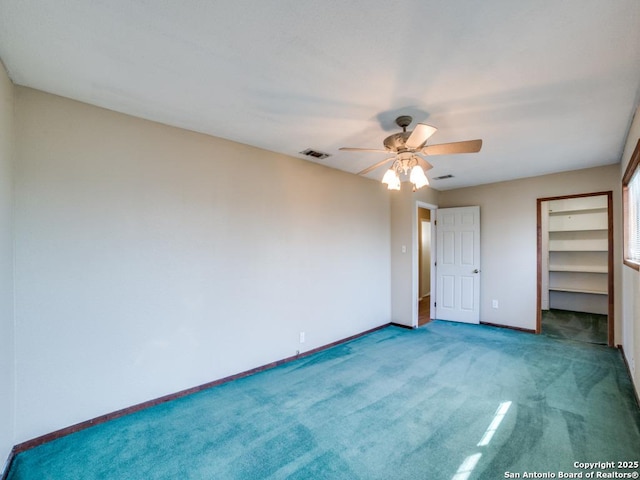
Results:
[415, 282]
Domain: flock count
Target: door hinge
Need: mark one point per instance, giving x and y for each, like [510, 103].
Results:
[435, 304]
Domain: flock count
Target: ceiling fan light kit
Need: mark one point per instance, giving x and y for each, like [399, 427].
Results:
[406, 164]
[406, 145]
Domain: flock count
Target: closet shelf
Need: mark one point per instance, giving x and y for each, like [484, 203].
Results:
[578, 290]
[578, 229]
[579, 268]
[574, 211]
[577, 249]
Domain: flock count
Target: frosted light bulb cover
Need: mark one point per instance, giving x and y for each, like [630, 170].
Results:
[418, 178]
[389, 177]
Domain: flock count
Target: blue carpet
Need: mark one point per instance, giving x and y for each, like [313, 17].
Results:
[446, 401]
[578, 326]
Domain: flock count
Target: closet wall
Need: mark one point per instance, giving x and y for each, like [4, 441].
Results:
[578, 245]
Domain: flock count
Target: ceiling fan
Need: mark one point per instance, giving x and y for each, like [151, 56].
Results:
[406, 146]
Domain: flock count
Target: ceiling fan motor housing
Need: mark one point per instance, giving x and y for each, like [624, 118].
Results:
[397, 141]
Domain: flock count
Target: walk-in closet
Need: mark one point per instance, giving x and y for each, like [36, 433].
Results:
[576, 277]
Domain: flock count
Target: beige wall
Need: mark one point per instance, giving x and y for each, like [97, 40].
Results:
[7, 383]
[151, 259]
[631, 279]
[508, 238]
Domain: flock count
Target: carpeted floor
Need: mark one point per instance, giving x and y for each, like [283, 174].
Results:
[582, 327]
[445, 401]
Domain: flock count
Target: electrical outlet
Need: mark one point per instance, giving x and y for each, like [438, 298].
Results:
[302, 337]
[494, 303]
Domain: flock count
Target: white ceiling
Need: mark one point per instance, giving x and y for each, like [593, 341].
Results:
[549, 85]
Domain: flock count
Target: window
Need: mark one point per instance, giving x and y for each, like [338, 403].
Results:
[631, 204]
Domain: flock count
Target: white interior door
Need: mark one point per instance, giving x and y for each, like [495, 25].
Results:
[458, 264]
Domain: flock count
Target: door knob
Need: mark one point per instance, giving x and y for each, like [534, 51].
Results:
[476, 271]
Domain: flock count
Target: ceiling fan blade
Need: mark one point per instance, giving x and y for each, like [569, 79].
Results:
[375, 165]
[424, 164]
[468, 146]
[420, 134]
[351, 149]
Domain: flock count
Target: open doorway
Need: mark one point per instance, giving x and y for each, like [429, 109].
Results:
[575, 267]
[424, 266]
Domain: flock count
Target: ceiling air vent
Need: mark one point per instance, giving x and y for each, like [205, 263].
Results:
[315, 154]
[442, 177]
